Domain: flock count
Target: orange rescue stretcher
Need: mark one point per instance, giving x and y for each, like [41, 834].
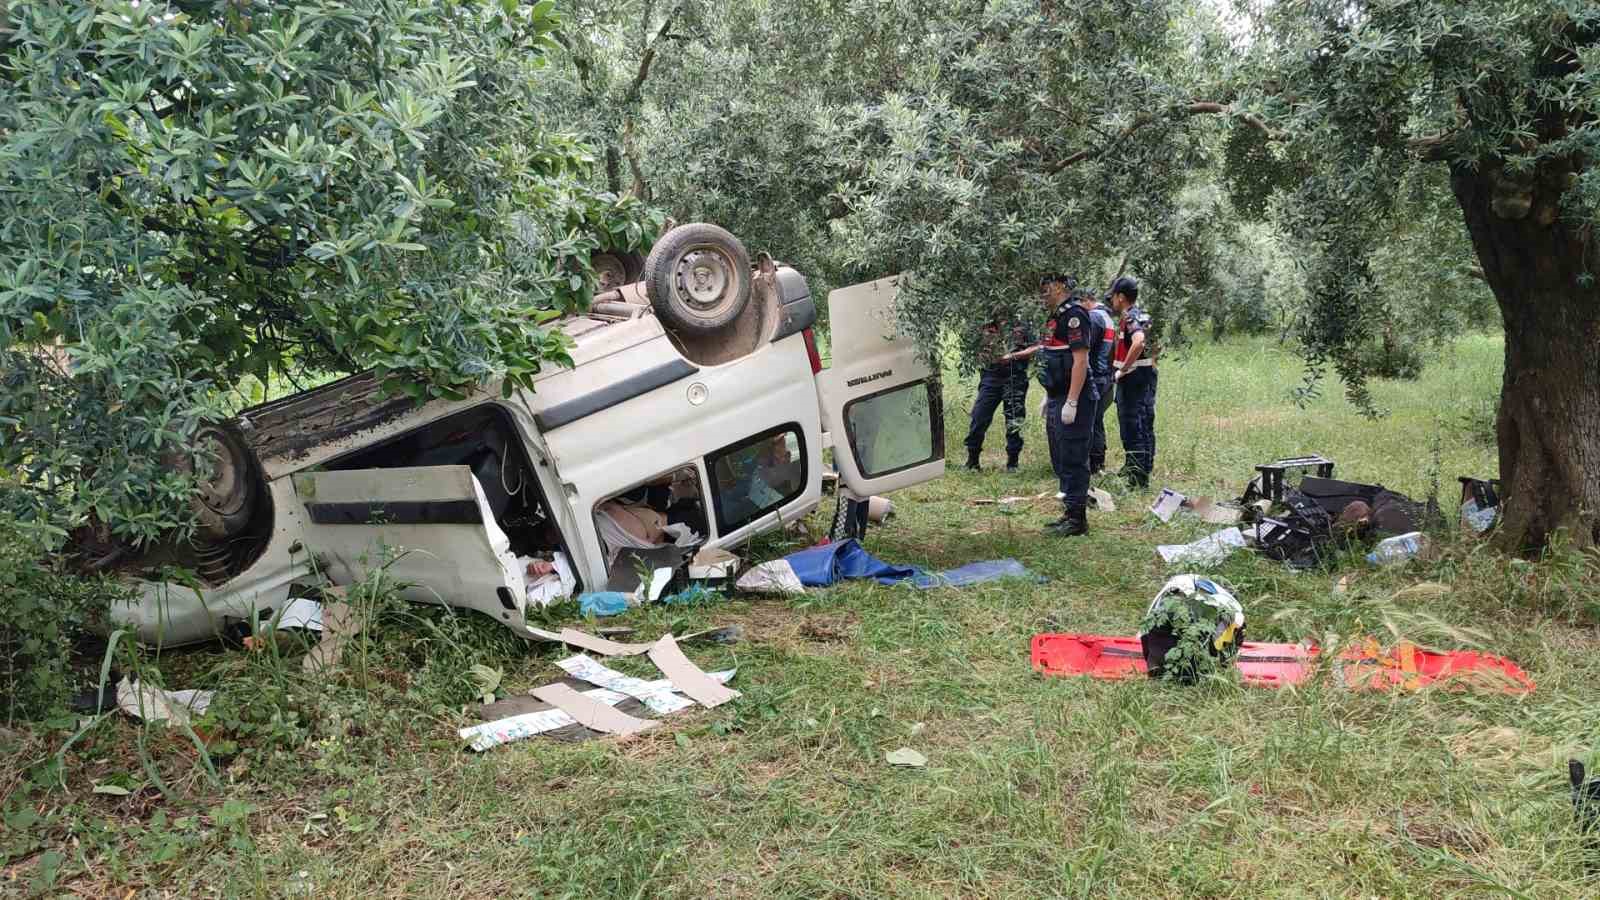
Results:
[1366, 666]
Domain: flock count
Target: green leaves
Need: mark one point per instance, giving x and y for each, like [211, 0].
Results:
[192, 194]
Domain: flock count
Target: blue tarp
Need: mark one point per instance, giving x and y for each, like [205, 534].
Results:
[832, 563]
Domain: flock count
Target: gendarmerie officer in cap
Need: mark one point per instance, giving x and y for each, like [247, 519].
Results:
[1135, 375]
[1070, 400]
[1003, 350]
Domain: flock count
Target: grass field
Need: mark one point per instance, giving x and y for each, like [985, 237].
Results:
[1033, 787]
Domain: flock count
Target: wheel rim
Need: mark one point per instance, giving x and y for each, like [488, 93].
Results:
[609, 272]
[225, 491]
[705, 281]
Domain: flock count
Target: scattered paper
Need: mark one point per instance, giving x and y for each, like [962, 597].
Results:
[591, 714]
[659, 579]
[300, 613]
[489, 735]
[660, 700]
[1167, 504]
[1209, 550]
[1102, 500]
[155, 705]
[906, 756]
[775, 577]
[686, 676]
[713, 563]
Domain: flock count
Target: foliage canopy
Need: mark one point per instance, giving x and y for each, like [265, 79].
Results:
[197, 193]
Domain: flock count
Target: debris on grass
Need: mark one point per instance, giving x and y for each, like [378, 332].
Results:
[686, 676]
[516, 718]
[600, 604]
[1167, 504]
[339, 624]
[155, 705]
[906, 757]
[1208, 551]
[590, 713]
[829, 564]
[1100, 499]
[658, 698]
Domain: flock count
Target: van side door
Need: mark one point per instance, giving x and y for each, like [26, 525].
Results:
[880, 401]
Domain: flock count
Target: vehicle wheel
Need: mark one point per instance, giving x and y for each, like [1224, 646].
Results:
[226, 499]
[613, 269]
[698, 278]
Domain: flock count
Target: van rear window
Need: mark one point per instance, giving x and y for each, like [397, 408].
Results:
[757, 476]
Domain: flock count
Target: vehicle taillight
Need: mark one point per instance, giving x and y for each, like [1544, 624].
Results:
[811, 351]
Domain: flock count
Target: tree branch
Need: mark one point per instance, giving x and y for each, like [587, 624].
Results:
[1433, 147]
[1195, 108]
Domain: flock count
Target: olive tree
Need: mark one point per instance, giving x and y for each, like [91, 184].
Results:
[196, 192]
[1503, 97]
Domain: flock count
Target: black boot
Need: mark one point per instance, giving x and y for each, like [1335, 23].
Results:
[1077, 522]
[972, 459]
[1060, 525]
[1011, 462]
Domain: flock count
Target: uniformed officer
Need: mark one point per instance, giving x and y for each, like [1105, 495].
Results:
[1003, 351]
[1102, 342]
[1064, 373]
[1135, 375]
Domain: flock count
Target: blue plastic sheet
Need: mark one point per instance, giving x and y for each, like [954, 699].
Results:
[973, 573]
[603, 603]
[831, 563]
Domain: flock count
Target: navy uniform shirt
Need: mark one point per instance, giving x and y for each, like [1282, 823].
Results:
[1067, 330]
[1134, 321]
[1103, 338]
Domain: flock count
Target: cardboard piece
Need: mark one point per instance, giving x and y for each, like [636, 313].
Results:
[591, 713]
[660, 700]
[339, 624]
[600, 645]
[686, 676]
[516, 718]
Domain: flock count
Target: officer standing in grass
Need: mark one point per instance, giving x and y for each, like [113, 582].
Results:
[1069, 401]
[1003, 352]
[1135, 375]
[1102, 342]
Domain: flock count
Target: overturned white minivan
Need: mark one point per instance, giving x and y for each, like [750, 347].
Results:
[695, 414]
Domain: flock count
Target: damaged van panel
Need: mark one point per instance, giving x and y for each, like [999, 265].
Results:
[431, 527]
[686, 421]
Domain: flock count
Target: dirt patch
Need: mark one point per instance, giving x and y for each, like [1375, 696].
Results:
[830, 629]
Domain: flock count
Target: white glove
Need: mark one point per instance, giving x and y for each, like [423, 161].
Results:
[1120, 372]
[1069, 412]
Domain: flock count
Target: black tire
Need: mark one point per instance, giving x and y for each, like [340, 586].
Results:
[225, 501]
[698, 278]
[615, 268]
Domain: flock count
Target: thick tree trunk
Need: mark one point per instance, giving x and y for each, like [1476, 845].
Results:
[1549, 422]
